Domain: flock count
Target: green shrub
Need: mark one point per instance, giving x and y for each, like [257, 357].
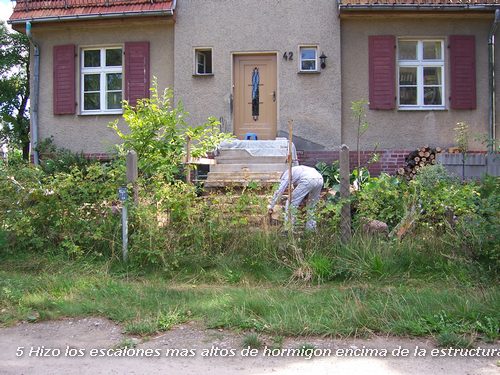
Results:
[54, 159]
[157, 130]
[66, 210]
[330, 173]
[383, 198]
[442, 202]
[478, 231]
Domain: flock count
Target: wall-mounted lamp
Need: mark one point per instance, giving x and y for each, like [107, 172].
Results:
[322, 60]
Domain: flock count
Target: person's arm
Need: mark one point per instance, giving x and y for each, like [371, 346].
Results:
[280, 191]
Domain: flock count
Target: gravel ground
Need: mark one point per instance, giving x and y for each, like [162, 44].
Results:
[95, 346]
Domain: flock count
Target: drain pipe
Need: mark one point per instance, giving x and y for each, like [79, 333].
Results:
[34, 94]
[491, 77]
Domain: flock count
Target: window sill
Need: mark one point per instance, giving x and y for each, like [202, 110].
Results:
[101, 113]
[420, 109]
[203, 75]
[309, 72]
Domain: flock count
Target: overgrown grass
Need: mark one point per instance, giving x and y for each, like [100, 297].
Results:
[377, 297]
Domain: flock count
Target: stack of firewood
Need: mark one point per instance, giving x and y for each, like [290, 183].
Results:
[418, 159]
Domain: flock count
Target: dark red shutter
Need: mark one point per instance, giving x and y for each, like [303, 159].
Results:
[64, 79]
[382, 71]
[463, 71]
[136, 71]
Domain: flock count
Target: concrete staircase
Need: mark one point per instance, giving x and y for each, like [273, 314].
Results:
[238, 167]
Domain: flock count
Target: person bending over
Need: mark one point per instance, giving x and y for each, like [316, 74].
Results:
[308, 182]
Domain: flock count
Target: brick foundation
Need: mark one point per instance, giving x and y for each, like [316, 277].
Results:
[389, 160]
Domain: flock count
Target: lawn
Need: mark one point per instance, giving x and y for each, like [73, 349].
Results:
[47, 287]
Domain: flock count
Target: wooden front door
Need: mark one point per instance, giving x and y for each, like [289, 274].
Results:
[255, 111]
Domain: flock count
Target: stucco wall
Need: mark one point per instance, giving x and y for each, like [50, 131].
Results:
[90, 134]
[393, 129]
[313, 101]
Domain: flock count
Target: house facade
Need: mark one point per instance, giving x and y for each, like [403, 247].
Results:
[423, 65]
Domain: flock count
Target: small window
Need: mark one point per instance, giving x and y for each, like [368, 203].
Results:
[308, 59]
[420, 74]
[203, 61]
[101, 80]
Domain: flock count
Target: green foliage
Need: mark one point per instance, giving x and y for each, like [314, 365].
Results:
[14, 89]
[330, 173]
[54, 159]
[157, 130]
[358, 109]
[442, 200]
[70, 210]
[462, 139]
[462, 136]
[322, 267]
[454, 340]
[382, 198]
[252, 341]
[478, 231]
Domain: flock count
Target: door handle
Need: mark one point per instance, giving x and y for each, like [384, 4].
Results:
[274, 96]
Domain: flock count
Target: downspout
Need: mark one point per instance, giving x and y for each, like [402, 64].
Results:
[34, 94]
[491, 77]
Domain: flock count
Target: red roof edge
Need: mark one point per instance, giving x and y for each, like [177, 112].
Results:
[418, 5]
[69, 10]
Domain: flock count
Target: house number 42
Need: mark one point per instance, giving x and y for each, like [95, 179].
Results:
[288, 56]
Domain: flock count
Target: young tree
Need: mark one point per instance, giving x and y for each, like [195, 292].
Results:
[14, 90]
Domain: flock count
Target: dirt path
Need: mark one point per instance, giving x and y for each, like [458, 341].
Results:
[92, 337]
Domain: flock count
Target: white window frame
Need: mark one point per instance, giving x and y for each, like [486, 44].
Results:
[316, 60]
[197, 53]
[102, 71]
[420, 64]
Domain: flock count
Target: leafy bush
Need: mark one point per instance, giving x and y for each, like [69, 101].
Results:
[383, 198]
[69, 210]
[157, 130]
[443, 199]
[330, 173]
[54, 159]
[479, 231]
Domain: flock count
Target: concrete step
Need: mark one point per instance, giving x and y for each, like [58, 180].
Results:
[220, 179]
[236, 183]
[235, 156]
[249, 168]
[244, 176]
[252, 160]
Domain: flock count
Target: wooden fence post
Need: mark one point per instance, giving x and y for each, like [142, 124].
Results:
[345, 217]
[132, 173]
[188, 160]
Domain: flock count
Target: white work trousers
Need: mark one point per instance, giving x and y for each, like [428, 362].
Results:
[311, 188]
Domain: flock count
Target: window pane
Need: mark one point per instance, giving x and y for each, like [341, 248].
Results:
[432, 51]
[92, 58]
[91, 101]
[114, 57]
[204, 61]
[201, 62]
[407, 50]
[407, 76]
[408, 95]
[308, 53]
[309, 65]
[114, 100]
[91, 82]
[114, 81]
[432, 76]
[432, 96]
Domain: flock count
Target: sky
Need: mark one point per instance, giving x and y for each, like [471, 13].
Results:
[5, 9]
